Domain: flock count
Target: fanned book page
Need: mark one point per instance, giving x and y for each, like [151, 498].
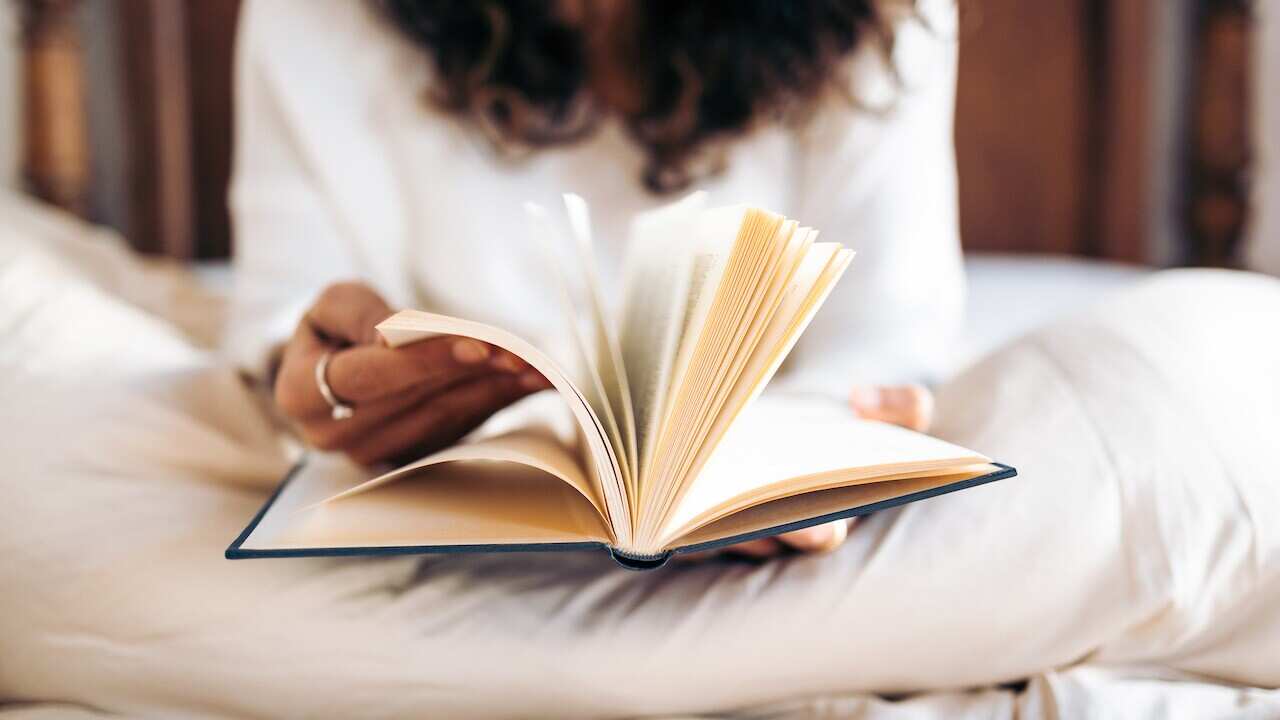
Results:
[657, 440]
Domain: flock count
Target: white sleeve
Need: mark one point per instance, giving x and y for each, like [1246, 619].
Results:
[315, 195]
[883, 182]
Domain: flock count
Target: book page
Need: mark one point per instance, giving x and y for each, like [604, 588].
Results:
[656, 296]
[757, 245]
[824, 502]
[821, 268]
[600, 461]
[789, 249]
[534, 447]
[319, 475]
[787, 445]
[716, 233]
[609, 360]
[589, 354]
[451, 503]
[718, 258]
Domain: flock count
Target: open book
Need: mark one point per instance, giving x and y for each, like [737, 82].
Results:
[667, 447]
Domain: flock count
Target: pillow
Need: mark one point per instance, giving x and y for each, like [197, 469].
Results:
[35, 235]
[1262, 245]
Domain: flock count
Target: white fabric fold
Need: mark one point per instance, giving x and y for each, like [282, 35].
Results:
[1135, 537]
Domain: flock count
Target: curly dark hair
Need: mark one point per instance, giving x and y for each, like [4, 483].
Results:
[705, 70]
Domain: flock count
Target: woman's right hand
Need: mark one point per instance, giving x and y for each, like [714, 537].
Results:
[408, 401]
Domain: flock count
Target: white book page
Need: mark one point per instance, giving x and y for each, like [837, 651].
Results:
[534, 447]
[592, 381]
[713, 240]
[453, 503]
[715, 232]
[823, 502]
[602, 464]
[820, 269]
[785, 445]
[610, 364]
[658, 271]
[761, 309]
[753, 245]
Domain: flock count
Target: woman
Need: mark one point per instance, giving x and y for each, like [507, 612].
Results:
[394, 142]
[406, 168]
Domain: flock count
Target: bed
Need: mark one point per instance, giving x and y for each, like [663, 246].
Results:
[53, 262]
[168, 282]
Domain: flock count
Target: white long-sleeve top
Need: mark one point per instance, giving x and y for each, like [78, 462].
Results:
[343, 170]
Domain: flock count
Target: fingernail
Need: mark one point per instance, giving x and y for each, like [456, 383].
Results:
[469, 351]
[533, 380]
[898, 398]
[866, 398]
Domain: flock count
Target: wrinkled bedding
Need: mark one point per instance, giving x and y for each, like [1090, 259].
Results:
[1131, 571]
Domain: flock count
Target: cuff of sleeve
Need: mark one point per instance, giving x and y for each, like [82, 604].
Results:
[253, 340]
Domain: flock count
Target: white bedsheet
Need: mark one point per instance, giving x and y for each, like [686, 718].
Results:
[1130, 572]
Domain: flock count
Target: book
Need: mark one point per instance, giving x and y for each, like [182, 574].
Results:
[656, 439]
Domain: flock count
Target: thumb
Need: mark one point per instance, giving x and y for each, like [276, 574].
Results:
[910, 406]
[818, 538]
[346, 313]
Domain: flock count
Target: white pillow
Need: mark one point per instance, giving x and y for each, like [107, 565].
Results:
[1262, 245]
[10, 65]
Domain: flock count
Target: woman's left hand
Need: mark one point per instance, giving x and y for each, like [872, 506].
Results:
[910, 406]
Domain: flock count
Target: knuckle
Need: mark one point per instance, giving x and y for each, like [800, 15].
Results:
[361, 381]
[363, 457]
[322, 438]
[287, 398]
[334, 296]
[338, 289]
[347, 292]
[330, 295]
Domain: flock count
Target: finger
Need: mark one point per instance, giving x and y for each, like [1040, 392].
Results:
[367, 373]
[762, 548]
[295, 390]
[371, 373]
[816, 539]
[910, 406]
[506, 361]
[325, 433]
[759, 549]
[442, 420]
[346, 314]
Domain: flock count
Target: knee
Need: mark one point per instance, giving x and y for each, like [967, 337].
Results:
[1208, 292]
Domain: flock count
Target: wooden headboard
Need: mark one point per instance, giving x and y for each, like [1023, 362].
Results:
[1103, 129]
[128, 116]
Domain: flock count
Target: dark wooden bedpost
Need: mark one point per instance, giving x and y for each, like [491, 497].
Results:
[1221, 154]
[55, 158]
[159, 107]
[127, 116]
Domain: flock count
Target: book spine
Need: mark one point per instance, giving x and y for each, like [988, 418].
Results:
[632, 561]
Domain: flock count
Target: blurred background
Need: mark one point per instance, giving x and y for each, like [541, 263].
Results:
[1138, 131]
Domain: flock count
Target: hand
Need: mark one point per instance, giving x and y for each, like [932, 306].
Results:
[408, 401]
[910, 406]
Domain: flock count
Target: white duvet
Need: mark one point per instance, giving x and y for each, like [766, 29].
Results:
[1133, 570]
